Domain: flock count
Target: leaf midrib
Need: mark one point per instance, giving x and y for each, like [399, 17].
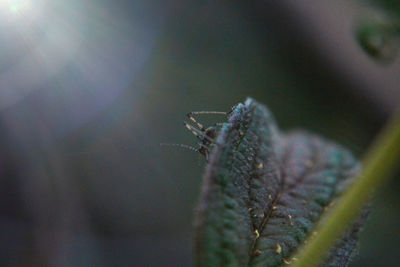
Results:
[267, 215]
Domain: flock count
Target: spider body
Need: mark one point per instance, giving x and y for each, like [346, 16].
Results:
[211, 133]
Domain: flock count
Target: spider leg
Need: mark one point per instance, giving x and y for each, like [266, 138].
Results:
[208, 112]
[197, 133]
[201, 127]
[204, 146]
[181, 145]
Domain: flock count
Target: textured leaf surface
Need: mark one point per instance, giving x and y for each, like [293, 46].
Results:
[264, 191]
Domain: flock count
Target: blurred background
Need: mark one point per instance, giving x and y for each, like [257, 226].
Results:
[89, 89]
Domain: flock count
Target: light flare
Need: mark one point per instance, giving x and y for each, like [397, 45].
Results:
[15, 7]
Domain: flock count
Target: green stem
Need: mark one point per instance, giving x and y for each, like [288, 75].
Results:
[379, 163]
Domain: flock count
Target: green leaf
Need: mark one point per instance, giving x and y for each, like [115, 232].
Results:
[263, 192]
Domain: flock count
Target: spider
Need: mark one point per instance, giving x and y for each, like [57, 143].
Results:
[205, 135]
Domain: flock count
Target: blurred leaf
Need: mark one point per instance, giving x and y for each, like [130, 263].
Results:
[264, 191]
[379, 36]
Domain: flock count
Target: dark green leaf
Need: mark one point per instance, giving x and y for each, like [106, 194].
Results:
[264, 191]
